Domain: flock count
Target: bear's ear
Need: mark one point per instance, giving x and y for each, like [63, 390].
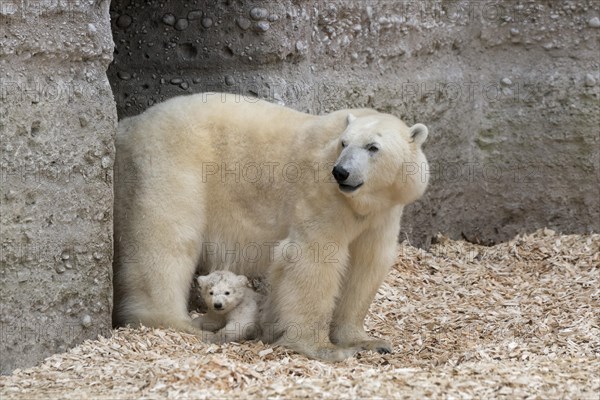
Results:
[418, 133]
[242, 280]
[202, 281]
[350, 118]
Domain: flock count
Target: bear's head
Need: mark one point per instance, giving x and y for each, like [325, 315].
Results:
[380, 161]
[222, 291]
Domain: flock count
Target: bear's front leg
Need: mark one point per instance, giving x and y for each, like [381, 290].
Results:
[209, 322]
[241, 325]
[371, 256]
[300, 306]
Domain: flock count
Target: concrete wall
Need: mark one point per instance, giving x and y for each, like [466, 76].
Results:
[57, 124]
[509, 92]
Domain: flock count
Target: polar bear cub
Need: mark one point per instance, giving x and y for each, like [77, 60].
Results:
[232, 307]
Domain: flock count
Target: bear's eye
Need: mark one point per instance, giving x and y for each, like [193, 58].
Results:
[372, 148]
[226, 293]
[344, 144]
[211, 293]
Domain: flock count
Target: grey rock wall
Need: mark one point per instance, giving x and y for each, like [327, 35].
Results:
[508, 89]
[57, 124]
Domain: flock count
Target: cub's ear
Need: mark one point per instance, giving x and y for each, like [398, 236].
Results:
[242, 280]
[418, 133]
[350, 118]
[202, 281]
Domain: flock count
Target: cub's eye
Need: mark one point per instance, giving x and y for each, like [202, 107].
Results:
[211, 293]
[226, 293]
[344, 144]
[372, 148]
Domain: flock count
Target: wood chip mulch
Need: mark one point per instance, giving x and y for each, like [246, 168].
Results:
[516, 320]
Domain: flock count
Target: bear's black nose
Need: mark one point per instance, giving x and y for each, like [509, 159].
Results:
[218, 306]
[340, 174]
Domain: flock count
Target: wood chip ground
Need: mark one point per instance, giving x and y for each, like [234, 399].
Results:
[517, 320]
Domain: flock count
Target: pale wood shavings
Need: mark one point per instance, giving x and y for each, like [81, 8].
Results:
[517, 320]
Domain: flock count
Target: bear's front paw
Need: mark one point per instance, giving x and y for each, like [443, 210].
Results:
[323, 351]
[207, 336]
[379, 345]
[222, 336]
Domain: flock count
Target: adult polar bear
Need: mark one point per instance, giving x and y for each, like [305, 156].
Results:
[211, 171]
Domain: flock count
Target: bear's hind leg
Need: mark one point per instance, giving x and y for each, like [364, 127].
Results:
[158, 243]
[157, 288]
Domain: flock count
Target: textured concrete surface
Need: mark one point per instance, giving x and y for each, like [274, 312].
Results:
[57, 124]
[509, 91]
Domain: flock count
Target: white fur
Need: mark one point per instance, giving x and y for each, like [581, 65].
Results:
[180, 188]
[236, 319]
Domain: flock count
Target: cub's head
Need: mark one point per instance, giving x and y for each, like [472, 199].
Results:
[380, 159]
[222, 291]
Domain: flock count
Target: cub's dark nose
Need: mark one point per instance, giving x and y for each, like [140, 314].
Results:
[340, 174]
[218, 306]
